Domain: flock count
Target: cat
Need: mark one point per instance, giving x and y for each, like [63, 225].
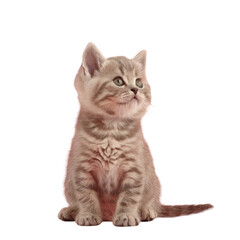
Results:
[110, 174]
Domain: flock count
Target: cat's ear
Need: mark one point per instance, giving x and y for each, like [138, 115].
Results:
[92, 59]
[141, 59]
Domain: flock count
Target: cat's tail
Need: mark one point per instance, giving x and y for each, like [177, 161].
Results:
[179, 210]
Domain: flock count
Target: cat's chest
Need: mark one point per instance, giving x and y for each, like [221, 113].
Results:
[109, 151]
[107, 164]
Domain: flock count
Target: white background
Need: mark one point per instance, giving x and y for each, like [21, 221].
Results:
[192, 126]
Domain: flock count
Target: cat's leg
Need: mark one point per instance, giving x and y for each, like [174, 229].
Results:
[150, 205]
[69, 213]
[89, 213]
[127, 208]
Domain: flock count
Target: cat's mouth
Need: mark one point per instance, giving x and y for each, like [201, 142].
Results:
[133, 99]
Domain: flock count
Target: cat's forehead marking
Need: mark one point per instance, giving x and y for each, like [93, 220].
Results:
[124, 64]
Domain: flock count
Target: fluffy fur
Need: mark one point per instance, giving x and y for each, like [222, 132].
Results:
[110, 173]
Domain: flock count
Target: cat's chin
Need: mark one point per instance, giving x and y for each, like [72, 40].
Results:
[128, 109]
[133, 108]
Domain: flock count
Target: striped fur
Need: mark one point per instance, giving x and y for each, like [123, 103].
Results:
[110, 173]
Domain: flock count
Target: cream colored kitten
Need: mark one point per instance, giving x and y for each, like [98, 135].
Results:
[110, 173]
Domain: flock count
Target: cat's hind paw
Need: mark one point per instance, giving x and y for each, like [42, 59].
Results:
[148, 214]
[68, 213]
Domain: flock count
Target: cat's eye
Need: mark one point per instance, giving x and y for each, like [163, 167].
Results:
[118, 81]
[139, 83]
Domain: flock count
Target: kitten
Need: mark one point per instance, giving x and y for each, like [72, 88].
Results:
[110, 173]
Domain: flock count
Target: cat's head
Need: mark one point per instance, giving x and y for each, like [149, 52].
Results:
[115, 87]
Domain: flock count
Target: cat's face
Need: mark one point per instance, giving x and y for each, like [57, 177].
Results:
[115, 87]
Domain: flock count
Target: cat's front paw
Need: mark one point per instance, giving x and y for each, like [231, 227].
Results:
[88, 219]
[123, 220]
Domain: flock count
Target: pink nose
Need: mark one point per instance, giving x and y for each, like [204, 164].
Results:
[135, 90]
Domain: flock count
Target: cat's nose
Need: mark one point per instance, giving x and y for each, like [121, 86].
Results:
[135, 90]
